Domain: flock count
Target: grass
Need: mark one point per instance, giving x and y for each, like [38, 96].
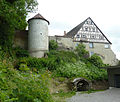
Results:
[90, 91]
[62, 96]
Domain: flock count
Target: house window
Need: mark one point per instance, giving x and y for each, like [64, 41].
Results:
[97, 30]
[87, 22]
[78, 36]
[91, 53]
[86, 28]
[101, 37]
[83, 36]
[76, 44]
[89, 28]
[91, 45]
[93, 29]
[93, 36]
[107, 46]
[91, 23]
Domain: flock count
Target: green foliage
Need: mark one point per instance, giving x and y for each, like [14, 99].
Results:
[62, 96]
[54, 60]
[96, 60]
[23, 67]
[64, 56]
[40, 63]
[81, 51]
[80, 69]
[16, 86]
[53, 45]
[13, 17]
[19, 52]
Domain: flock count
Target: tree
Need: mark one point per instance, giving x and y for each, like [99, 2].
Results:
[13, 17]
[81, 51]
[53, 45]
[96, 60]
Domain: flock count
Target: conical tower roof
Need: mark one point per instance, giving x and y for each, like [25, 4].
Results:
[39, 16]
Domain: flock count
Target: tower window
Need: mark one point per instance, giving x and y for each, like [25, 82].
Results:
[40, 33]
[91, 45]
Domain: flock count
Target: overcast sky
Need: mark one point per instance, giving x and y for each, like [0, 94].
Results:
[64, 15]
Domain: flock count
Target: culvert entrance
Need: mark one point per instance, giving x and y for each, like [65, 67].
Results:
[81, 84]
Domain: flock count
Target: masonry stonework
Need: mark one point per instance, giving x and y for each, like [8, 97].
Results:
[37, 36]
[106, 54]
[36, 39]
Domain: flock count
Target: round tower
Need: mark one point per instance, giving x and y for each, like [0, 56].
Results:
[38, 36]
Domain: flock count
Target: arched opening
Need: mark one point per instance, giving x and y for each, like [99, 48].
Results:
[82, 85]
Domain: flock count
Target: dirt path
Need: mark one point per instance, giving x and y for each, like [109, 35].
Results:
[111, 95]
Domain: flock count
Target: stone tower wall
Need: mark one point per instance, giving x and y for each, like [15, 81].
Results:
[37, 37]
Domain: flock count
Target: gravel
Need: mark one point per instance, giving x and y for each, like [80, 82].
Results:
[111, 95]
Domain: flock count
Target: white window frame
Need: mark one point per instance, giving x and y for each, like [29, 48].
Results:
[77, 36]
[107, 46]
[91, 45]
[83, 36]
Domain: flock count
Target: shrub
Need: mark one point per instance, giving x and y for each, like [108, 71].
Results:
[81, 51]
[40, 63]
[96, 60]
[64, 56]
[80, 69]
[16, 86]
[54, 60]
[53, 45]
[20, 52]
[23, 67]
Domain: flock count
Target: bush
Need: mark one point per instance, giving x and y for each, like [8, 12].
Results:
[16, 86]
[80, 69]
[96, 60]
[53, 45]
[64, 56]
[40, 63]
[54, 60]
[20, 52]
[81, 51]
[23, 67]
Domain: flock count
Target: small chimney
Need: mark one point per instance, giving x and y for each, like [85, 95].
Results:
[64, 33]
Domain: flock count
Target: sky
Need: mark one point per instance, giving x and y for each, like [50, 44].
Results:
[64, 15]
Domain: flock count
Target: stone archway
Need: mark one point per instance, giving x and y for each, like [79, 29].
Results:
[81, 84]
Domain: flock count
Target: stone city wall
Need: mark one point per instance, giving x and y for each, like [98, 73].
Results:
[107, 55]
